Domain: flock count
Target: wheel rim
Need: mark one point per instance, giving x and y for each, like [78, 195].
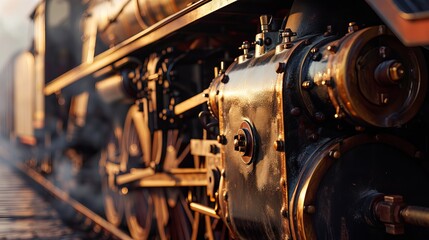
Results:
[113, 200]
[162, 212]
[173, 215]
[175, 219]
[139, 207]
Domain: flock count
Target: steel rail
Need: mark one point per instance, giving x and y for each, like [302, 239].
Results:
[65, 197]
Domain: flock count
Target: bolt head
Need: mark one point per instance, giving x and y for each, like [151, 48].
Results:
[225, 196]
[280, 68]
[224, 78]
[279, 145]
[284, 212]
[221, 139]
[307, 84]
[335, 154]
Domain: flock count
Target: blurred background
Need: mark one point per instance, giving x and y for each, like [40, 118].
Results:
[16, 36]
[16, 28]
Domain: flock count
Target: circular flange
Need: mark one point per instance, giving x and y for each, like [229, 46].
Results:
[245, 142]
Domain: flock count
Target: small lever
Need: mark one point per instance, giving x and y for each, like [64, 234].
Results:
[204, 210]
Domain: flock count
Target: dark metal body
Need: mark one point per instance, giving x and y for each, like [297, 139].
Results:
[315, 129]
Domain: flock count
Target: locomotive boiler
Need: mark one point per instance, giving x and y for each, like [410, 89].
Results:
[240, 119]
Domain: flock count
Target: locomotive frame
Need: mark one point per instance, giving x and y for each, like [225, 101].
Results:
[270, 144]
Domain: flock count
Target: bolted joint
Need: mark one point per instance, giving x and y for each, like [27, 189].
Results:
[310, 209]
[221, 139]
[224, 78]
[388, 212]
[214, 149]
[244, 142]
[389, 209]
[240, 141]
[225, 196]
[287, 35]
[284, 211]
[307, 84]
[331, 48]
[279, 145]
[335, 154]
[280, 68]
[352, 27]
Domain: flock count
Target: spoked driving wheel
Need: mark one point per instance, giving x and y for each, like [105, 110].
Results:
[181, 222]
[109, 166]
[157, 202]
[173, 215]
[139, 207]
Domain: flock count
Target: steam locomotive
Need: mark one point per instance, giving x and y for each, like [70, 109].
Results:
[237, 119]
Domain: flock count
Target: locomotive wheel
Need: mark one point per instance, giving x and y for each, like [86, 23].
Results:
[113, 200]
[139, 207]
[341, 179]
[173, 215]
[168, 207]
[175, 219]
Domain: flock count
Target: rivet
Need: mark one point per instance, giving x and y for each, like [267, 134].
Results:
[352, 27]
[313, 137]
[225, 196]
[329, 31]
[383, 51]
[282, 182]
[335, 154]
[332, 48]
[296, 111]
[280, 68]
[327, 82]
[316, 57]
[279, 145]
[224, 78]
[307, 84]
[310, 209]
[381, 29]
[284, 212]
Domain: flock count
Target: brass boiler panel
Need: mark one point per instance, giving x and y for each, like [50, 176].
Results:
[118, 20]
[249, 196]
[270, 108]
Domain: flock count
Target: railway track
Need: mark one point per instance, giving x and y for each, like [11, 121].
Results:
[83, 221]
[90, 221]
[24, 214]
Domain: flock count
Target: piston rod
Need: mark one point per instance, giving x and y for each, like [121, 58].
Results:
[416, 215]
[393, 212]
